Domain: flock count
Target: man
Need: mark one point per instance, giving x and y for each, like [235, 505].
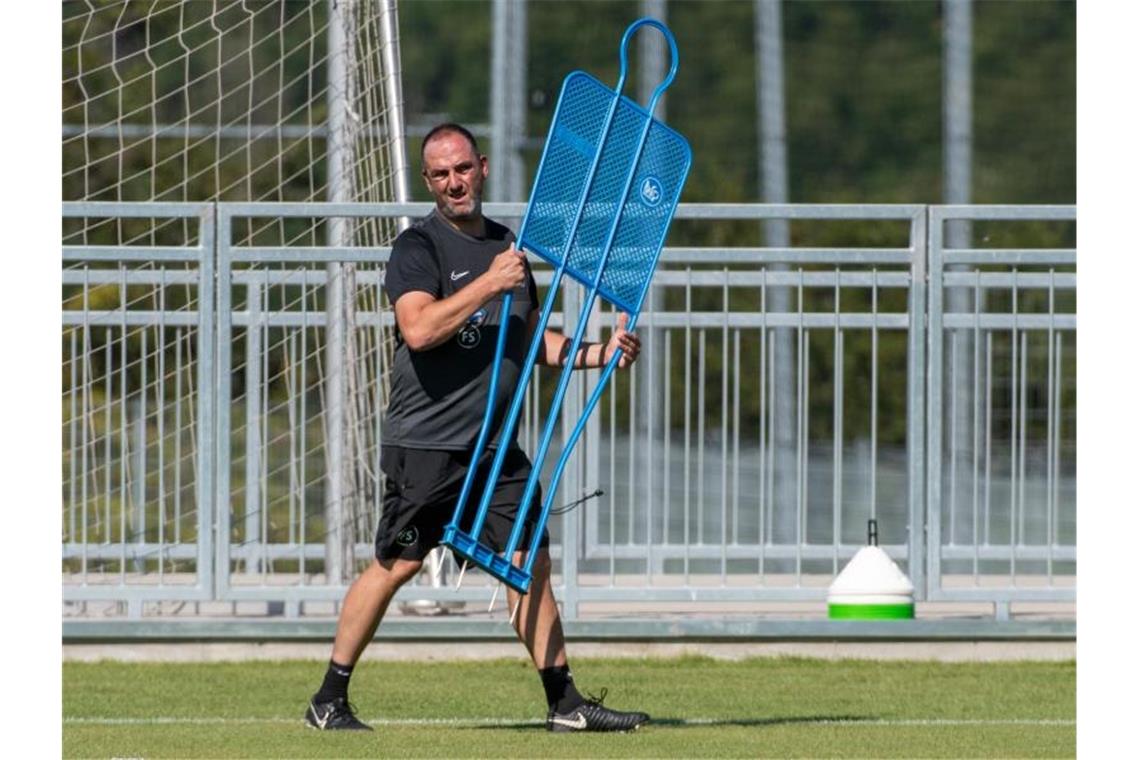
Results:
[446, 278]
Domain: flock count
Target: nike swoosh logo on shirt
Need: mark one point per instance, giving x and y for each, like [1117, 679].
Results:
[456, 275]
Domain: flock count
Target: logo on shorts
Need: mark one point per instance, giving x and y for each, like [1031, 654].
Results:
[408, 536]
[651, 192]
[470, 336]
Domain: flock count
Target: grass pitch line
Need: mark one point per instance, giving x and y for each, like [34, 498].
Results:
[505, 722]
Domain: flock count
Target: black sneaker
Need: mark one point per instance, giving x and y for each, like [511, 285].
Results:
[337, 715]
[591, 715]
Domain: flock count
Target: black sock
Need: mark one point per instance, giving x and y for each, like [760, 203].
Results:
[335, 685]
[558, 684]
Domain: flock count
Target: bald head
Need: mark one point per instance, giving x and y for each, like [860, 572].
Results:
[448, 128]
[454, 173]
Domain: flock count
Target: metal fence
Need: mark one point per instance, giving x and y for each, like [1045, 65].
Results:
[784, 397]
[1001, 424]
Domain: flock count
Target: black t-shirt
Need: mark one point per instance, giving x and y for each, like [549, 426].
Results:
[438, 396]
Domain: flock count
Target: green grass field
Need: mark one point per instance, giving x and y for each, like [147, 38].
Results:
[701, 708]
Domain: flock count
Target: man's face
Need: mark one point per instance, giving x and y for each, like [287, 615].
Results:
[454, 173]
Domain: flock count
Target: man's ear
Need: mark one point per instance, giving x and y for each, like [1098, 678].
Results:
[483, 163]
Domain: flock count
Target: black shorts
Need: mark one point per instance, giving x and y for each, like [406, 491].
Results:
[423, 487]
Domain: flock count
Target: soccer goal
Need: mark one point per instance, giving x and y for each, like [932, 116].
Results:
[189, 103]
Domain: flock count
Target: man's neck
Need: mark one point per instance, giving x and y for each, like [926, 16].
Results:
[475, 226]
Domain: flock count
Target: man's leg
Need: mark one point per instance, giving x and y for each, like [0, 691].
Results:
[363, 608]
[365, 604]
[538, 623]
[539, 626]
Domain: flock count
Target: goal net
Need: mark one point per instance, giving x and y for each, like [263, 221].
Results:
[241, 101]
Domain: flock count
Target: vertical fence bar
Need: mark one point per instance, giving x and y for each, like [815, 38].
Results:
[989, 430]
[975, 397]
[291, 394]
[572, 521]
[1056, 451]
[160, 411]
[613, 488]
[837, 437]
[138, 529]
[84, 401]
[917, 331]
[805, 456]
[736, 438]
[592, 456]
[1049, 475]
[71, 436]
[632, 447]
[801, 401]
[124, 441]
[652, 404]
[1055, 456]
[377, 404]
[688, 405]
[838, 467]
[108, 399]
[252, 490]
[262, 330]
[666, 471]
[88, 433]
[303, 420]
[209, 396]
[771, 358]
[952, 503]
[762, 504]
[1013, 410]
[222, 500]
[178, 336]
[701, 408]
[874, 392]
[89, 437]
[1020, 479]
[724, 436]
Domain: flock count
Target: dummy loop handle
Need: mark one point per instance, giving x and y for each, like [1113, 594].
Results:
[625, 38]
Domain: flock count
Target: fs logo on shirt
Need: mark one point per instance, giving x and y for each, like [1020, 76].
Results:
[470, 336]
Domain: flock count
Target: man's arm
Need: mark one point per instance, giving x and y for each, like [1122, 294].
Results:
[426, 321]
[556, 347]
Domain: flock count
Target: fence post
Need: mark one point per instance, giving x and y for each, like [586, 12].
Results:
[205, 469]
[219, 385]
[916, 387]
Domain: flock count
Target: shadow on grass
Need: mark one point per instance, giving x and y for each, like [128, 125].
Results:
[690, 723]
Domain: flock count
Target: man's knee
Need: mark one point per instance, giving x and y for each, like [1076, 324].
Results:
[398, 570]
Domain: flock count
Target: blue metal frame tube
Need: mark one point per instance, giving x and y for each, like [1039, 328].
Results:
[485, 429]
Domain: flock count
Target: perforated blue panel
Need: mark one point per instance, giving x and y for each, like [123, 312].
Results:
[644, 216]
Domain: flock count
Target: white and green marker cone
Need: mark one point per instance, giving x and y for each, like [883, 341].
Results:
[871, 587]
